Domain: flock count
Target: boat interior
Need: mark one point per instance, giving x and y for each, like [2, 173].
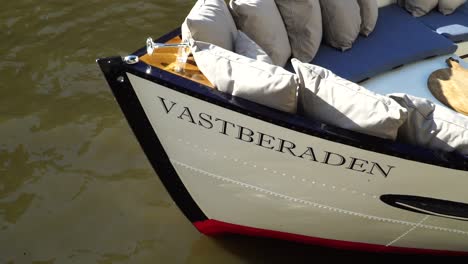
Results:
[398, 57]
[398, 40]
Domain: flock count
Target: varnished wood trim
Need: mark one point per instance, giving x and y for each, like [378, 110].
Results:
[165, 59]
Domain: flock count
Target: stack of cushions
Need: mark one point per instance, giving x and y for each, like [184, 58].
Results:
[232, 55]
[211, 21]
[262, 39]
[284, 27]
[233, 61]
[281, 27]
[244, 72]
[432, 126]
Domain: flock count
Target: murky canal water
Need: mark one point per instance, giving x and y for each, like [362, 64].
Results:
[75, 187]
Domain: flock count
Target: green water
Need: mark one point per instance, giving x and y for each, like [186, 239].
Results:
[75, 186]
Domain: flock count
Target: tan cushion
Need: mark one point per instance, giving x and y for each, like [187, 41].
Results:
[247, 47]
[325, 97]
[432, 126]
[210, 21]
[383, 3]
[341, 22]
[369, 14]
[303, 21]
[262, 22]
[447, 7]
[250, 79]
[420, 7]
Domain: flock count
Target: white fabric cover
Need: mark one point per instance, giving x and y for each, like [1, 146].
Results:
[250, 79]
[341, 22]
[326, 97]
[369, 14]
[210, 21]
[247, 47]
[262, 22]
[432, 126]
[420, 7]
[303, 21]
[447, 7]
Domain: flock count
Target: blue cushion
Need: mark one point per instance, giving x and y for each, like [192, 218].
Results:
[453, 26]
[398, 39]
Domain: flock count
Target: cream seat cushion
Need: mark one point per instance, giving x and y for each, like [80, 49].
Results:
[420, 7]
[341, 22]
[303, 21]
[247, 47]
[210, 21]
[447, 7]
[369, 15]
[262, 22]
[432, 126]
[326, 97]
[247, 78]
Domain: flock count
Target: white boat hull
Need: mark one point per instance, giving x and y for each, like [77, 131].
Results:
[249, 172]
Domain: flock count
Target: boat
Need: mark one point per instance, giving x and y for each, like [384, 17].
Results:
[236, 166]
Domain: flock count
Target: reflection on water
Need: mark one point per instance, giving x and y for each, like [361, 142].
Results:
[75, 186]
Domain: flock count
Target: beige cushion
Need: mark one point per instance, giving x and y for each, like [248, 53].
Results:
[447, 7]
[247, 47]
[303, 21]
[341, 22]
[325, 97]
[210, 21]
[432, 126]
[420, 7]
[369, 14]
[382, 3]
[250, 79]
[262, 22]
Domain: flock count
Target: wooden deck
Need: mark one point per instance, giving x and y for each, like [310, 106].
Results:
[165, 59]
